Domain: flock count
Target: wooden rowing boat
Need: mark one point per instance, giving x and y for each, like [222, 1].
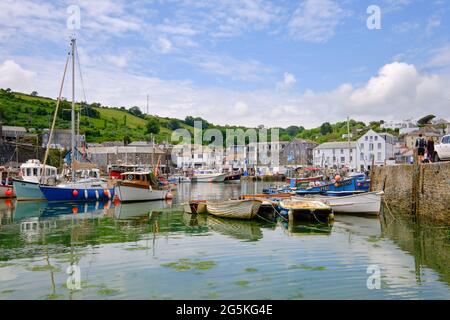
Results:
[235, 209]
[305, 209]
[266, 196]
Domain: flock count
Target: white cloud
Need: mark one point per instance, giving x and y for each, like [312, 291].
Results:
[288, 81]
[316, 20]
[440, 57]
[163, 45]
[118, 61]
[13, 76]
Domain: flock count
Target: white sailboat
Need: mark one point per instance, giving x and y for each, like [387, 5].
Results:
[208, 175]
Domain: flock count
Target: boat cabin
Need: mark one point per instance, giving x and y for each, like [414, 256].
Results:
[146, 178]
[32, 170]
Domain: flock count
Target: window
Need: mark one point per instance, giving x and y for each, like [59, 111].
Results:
[361, 156]
[379, 156]
[370, 146]
[351, 158]
[334, 159]
[361, 146]
[376, 138]
[318, 151]
[379, 145]
[28, 172]
[342, 151]
[35, 171]
[342, 159]
[367, 138]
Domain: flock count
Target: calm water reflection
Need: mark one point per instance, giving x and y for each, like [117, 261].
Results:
[155, 251]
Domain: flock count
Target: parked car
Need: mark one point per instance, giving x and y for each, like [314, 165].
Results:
[442, 150]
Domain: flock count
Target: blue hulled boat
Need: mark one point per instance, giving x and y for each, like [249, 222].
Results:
[78, 192]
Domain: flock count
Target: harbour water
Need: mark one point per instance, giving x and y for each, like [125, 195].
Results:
[152, 250]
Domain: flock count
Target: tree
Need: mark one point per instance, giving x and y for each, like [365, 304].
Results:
[325, 128]
[292, 130]
[152, 126]
[34, 94]
[174, 124]
[135, 111]
[126, 139]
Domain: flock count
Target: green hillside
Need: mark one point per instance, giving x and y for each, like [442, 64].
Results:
[103, 123]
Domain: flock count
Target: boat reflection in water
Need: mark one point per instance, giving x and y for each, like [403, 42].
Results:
[294, 228]
[136, 210]
[239, 229]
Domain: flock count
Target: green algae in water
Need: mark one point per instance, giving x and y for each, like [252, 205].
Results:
[8, 291]
[54, 296]
[186, 264]
[108, 291]
[373, 239]
[137, 248]
[251, 270]
[44, 268]
[242, 283]
[306, 267]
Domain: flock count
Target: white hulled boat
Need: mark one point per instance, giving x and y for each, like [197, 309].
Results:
[208, 175]
[139, 186]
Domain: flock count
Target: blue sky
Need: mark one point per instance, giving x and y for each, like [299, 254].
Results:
[239, 62]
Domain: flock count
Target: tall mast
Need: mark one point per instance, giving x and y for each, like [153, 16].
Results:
[349, 149]
[73, 110]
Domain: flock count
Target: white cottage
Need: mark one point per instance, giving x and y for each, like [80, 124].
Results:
[376, 147]
[335, 155]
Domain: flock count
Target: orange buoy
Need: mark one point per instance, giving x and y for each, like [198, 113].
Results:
[75, 209]
[75, 193]
[8, 193]
[116, 202]
[337, 178]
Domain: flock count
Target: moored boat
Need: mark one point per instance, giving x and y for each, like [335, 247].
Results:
[305, 209]
[139, 186]
[208, 176]
[32, 173]
[367, 203]
[6, 189]
[233, 177]
[235, 209]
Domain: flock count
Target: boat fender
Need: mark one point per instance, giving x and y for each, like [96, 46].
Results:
[8, 193]
[106, 193]
[169, 195]
[85, 193]
[75, 193]
[96, 194]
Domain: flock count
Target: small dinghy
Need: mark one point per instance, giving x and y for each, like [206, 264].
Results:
[235, 209]
[305, 210]
[195, 207]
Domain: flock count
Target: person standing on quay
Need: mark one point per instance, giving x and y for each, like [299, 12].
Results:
[421, 145]
[430, 149]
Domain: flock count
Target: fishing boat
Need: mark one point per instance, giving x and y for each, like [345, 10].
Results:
[233, 177]
[140, 186]
[367, 203]
[32, 173]
[236, 209]
[195, 207]
[208, 175]
[6, 189]
[305, 209]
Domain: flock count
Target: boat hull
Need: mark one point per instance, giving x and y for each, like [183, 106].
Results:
[27, 191]
[131, 193]
[52, 193]
[209, 178]
[235, 209]
[368, 203]
[4, 193]
[195, 207]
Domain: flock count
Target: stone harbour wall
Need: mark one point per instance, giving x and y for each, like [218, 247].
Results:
[421, 189]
